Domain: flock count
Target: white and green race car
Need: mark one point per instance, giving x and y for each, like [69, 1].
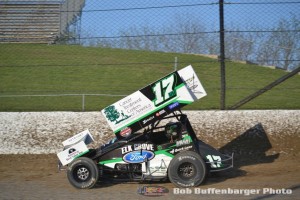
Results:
[154, 139]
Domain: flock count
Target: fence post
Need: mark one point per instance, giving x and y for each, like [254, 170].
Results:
[83, 102]
[222, 56]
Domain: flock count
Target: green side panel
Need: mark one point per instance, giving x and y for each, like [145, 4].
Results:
[111, 161]
[120, 159]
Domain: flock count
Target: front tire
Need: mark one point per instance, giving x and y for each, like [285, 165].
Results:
[83, 173]
[187, 169]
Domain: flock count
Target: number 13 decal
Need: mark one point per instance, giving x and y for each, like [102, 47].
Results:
[164, 90]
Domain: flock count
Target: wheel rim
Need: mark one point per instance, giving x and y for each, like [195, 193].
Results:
[82, 173]
[186, 170]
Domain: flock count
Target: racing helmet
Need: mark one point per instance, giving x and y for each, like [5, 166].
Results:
[173, 130]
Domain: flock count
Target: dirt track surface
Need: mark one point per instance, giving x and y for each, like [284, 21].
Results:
[36, 177]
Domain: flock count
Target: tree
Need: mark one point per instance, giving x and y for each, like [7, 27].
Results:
[188, 36]
[185, 36]
[239, 45]
[282, 46]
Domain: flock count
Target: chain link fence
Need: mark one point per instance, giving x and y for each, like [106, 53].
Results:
[261, 45]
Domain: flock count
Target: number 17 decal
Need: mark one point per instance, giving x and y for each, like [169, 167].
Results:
[164, 90]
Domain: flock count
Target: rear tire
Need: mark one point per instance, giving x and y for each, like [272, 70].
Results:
[83, 173]
[187, 169]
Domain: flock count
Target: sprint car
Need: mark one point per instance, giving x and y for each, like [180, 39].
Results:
[154, 140]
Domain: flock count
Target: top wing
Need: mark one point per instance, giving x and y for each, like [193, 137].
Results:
[153, 102]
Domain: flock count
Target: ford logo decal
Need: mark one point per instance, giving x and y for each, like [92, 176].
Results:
[138, 156]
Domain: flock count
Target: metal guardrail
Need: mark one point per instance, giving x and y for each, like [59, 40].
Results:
[61, 95]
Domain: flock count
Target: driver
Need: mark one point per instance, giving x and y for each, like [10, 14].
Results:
[173, 130]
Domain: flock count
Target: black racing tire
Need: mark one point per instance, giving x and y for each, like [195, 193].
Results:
[187, 169]
[83, 173]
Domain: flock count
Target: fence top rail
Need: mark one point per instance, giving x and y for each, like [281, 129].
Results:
[55, 95]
